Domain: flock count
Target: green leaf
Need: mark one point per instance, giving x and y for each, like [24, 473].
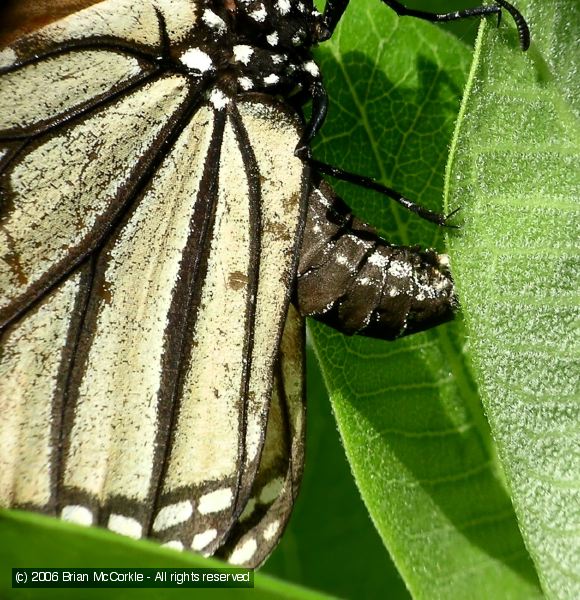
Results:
[30, 540]
[330, 543]
[514, 170]
[408, 412]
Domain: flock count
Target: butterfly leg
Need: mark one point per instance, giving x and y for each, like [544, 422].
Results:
[371, 184]
[334, 10]
[476, 11]
[317, 93]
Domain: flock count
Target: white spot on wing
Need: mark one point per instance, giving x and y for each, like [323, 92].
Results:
[244, 552]
[259, 14]
[212, 20]
[175, 544]
[77, 514]
[218, 99]
[271, 530]
[201, 540]
[271, 79]
[197, 59]
[271, 490]
[172, 515]
[243, 53]
[215, 501]
[125, 526]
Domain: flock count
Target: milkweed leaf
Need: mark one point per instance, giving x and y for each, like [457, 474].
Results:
[514, 170]
[31, 540]
[408, 412]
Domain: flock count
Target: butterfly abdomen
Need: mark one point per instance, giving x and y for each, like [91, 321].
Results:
[352, 279]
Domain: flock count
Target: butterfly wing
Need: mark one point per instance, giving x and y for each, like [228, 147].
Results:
[82, 126]
[276, 485]
[69, 165]
[149, 248]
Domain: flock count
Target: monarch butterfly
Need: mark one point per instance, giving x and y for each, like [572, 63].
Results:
[159, 210]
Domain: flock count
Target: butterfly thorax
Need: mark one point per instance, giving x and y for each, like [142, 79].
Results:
[254, 45]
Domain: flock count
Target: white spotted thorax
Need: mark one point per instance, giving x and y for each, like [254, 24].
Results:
[252, 46]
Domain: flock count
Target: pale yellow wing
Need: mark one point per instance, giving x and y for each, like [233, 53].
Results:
[85, 115]
[275, 488]
[148, 246]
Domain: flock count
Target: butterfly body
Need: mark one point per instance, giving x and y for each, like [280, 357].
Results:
[254, 46]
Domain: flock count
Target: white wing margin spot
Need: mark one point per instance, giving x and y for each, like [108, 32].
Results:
[172, 515]
[125, 526]
[75, 513]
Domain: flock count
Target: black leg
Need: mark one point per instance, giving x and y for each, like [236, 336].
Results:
[319, 110]
[477, 11]
[371, 184]
[334, 10]
[523, 29]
